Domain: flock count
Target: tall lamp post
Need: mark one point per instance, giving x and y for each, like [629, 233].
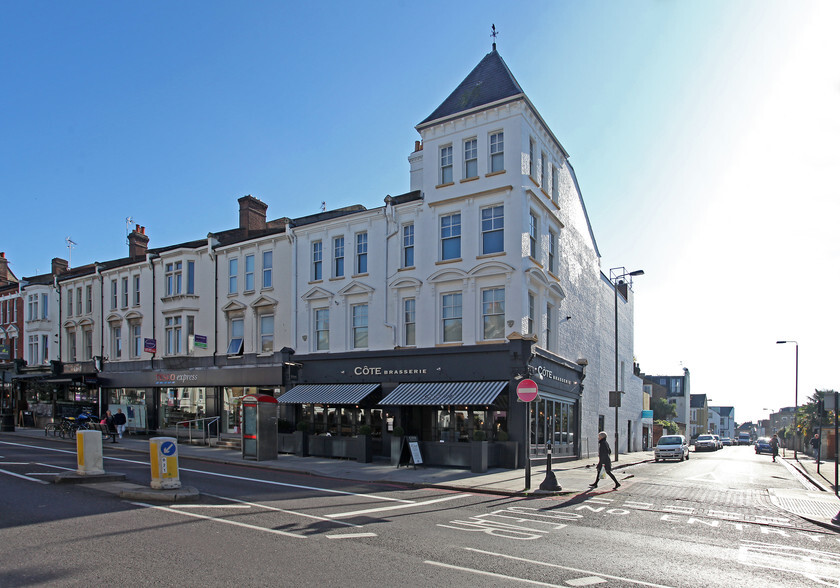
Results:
[796, 397]
[616, 275]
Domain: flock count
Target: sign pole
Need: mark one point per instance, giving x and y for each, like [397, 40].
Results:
[527, 392]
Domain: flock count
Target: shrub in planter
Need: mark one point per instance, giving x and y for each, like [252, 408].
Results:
[365, 430]
[398, 431]
[479, 435]
[284, 426]
[502, 436]
[302, 426]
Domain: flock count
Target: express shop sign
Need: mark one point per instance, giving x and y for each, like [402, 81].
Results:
[171, 379]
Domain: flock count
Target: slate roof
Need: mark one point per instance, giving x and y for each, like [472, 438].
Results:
[698, 400]
[490, 81]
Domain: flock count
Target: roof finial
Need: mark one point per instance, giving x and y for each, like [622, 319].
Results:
[493, 34]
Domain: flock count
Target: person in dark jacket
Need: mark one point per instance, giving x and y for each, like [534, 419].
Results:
[774, 446]
[604, 460]
[120, 421]
[108, 421]
[815, 445]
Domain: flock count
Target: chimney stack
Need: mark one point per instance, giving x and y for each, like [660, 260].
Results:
[252, 214]
[138, 242]
[4, 270]
[59, 266]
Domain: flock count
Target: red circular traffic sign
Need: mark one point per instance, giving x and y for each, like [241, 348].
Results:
[527, 390]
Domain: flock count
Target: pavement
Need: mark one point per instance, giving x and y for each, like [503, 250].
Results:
[816, 501]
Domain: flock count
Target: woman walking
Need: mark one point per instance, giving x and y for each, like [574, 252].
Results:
[604, 460]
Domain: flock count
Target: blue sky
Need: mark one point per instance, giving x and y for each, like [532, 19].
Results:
[705, 137]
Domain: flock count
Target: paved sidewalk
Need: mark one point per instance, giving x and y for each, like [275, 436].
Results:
[572, 476]
[820, 503]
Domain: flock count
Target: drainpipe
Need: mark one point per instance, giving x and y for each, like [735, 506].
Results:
[151, 258]
[290, 233]
[212, 243]
[98, 272]
[58, 289]
[389, 208]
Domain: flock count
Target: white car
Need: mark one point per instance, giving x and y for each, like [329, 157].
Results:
[671, 447]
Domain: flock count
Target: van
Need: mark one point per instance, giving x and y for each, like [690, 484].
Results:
[743, 438]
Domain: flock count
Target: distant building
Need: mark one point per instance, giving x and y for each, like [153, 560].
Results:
[726, 420]
[677, 390]
[699, 415]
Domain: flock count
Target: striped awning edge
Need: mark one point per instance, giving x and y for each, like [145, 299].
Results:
[327, 394]
[444, 393]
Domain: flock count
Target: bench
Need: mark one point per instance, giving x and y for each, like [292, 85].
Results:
[106, 432]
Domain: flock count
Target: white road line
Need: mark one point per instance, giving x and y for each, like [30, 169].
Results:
[22, 477]
[244, 479]
[275, 509]
[49, 465]
[16, 462]
[225, 506]
[215, 520]
[578, 570]
[491, 574]
[350, 536]
[342, 515]
[41, 474]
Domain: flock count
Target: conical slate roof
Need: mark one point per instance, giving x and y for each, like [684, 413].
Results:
[490, 81]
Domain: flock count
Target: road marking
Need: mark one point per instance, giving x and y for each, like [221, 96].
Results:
[585, 581]
[216, 520]
[40, 474]
[491, 574]
[341, 515]
[225, 506]
[22, 477]
[16, 463]
[49, 465]
[275, 509]
[578, 570]
[707, 477]
[350, 536]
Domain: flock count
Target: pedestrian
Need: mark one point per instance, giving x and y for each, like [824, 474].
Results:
[110, 426]
[120, 421]
[774, 446]
[604, 460]
[815, 445]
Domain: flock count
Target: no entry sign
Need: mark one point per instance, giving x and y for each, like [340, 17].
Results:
[527, 390]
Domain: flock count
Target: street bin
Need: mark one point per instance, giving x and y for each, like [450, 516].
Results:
[259, 427]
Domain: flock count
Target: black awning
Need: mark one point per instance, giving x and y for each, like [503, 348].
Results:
[327, 394]
[444, 393]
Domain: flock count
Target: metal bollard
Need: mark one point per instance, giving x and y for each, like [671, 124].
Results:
[89, 453]
[550, 483]
[164, 461]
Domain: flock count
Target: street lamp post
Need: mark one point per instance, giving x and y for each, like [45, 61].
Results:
[796, 397]
[616, 275]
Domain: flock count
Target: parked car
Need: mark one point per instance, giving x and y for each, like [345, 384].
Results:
[762, 445]
[727, 441]
[671, 447]
[705, 443]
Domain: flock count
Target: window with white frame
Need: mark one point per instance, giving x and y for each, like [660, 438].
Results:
[174, 276]
[322, 329]
[471, 158]
[450, 236]
[338, 257]
[492, 229]
[552, 252]
[236, 328]
[360, 325]
[266, 333]
[135, 332]
[34, 355]
[317, 261]
[532, 313]
[87, 342]
[116, 341]
[446, 164]
[267, 268]
[497, 152]
[555, 184]
[361, 253]
[45, 348]
[114, 295]
[249, 273]
[533, 232]
[233, 275]
[124, 292]
[136, 289]
[543, 171]
[79, 300]
[45, 306]
[32, 307]
[451, 312]
[493, 313]
[69, 295]
[549, 323]
[88, 299]
[191, 277]
[532, 147]
[410, 321]
[172, 331]
[408, 245]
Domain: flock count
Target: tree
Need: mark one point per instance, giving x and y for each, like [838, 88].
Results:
[663, 410]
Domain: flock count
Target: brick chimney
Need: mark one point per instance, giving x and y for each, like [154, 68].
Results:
[252, 214]
[138, 242]
[5, 273]
[59, 266]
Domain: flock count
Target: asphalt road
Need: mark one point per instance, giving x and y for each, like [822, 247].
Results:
[704, 522]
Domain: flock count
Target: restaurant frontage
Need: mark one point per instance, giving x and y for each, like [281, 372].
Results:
[446, 398]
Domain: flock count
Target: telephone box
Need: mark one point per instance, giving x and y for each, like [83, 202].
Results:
[259, 427]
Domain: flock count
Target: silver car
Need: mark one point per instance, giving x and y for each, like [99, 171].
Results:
[705, 443]
[671, 447]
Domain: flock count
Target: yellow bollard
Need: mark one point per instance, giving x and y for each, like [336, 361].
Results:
[164, 461]
[89, 453]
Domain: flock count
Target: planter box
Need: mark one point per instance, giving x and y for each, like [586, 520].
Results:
[506, 455]
[478, 455]
[358, 448]
[396, 445]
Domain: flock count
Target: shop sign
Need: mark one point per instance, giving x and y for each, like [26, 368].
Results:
[546, 373]
[72, 368]
[369, 370]
[149, 346]
[647, 415]
[201, 341]
[172, 379]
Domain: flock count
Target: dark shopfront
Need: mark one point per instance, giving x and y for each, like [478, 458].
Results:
[46, 394]
[444, 397]
[157, 400]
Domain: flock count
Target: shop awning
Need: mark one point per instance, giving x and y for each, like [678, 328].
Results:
[327, 393]
[444, 393]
